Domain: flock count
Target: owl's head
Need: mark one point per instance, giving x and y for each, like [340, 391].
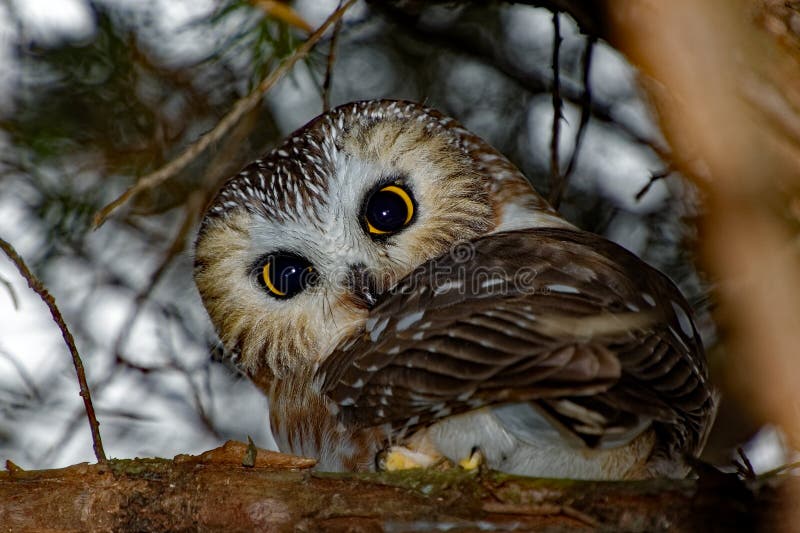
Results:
[296, 248]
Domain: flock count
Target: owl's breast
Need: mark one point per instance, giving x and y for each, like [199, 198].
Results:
[305, 423]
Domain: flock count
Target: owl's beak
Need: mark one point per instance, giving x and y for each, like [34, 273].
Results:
[363, 285]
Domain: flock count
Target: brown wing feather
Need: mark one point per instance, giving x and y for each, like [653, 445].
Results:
[598, 339]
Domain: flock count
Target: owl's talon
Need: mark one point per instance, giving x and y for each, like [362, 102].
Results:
[401, 458]
[474, 461]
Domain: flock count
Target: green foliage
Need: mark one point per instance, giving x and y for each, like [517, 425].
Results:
[113, 94]
[114, 107]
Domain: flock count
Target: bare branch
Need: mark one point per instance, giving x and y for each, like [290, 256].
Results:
[38, 287]
[589, 14]
[743, 465]
[654, 177]
[586, 113]
[558, 115]
[24, 375]
[238, 110]
[13, 295]
[176, 247]
[326, 86]
[464, 43]
[279, 492]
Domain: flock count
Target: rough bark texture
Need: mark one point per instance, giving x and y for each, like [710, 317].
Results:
[214, 492]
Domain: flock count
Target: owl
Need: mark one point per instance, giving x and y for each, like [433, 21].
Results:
[403, 297]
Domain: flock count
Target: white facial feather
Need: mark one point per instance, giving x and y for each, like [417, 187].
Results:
[335, 239]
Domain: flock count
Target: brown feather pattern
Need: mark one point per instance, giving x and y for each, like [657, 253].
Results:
[594, 336]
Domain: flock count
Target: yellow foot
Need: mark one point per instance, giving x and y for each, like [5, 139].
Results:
[401, 458]
[474, 461]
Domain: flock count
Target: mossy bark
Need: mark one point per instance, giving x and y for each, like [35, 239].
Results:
[282, 493]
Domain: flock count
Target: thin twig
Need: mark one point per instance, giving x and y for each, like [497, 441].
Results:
[555, 171]
[216, 168]
[586, 113]
[24, 375]
[326, 85]
[199, 407]
[779, 470]
[13, 295]
[459, 41]
[743, 466]
[176, 247]
[35, 284]
[239, 109]
[654, 177]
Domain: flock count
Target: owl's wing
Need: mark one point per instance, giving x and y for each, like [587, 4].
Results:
[598, 341]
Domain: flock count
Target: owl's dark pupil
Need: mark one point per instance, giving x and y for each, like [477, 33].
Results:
[387, 211]
[285, 275]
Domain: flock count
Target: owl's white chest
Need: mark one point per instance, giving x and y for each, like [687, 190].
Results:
[542, 452]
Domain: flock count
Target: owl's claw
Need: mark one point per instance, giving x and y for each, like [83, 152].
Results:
[397, 458]
[474, 461]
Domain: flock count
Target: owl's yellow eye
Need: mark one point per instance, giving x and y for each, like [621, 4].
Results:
[284, 275]
[388, 210]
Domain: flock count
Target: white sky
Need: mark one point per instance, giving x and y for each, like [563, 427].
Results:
[52, 20]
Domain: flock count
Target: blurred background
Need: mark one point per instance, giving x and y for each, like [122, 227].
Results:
[98, 93]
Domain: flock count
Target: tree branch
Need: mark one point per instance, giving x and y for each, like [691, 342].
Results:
[38, 287]
[555, 168]
[239, 109]
[281, 493]
[326, 85]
